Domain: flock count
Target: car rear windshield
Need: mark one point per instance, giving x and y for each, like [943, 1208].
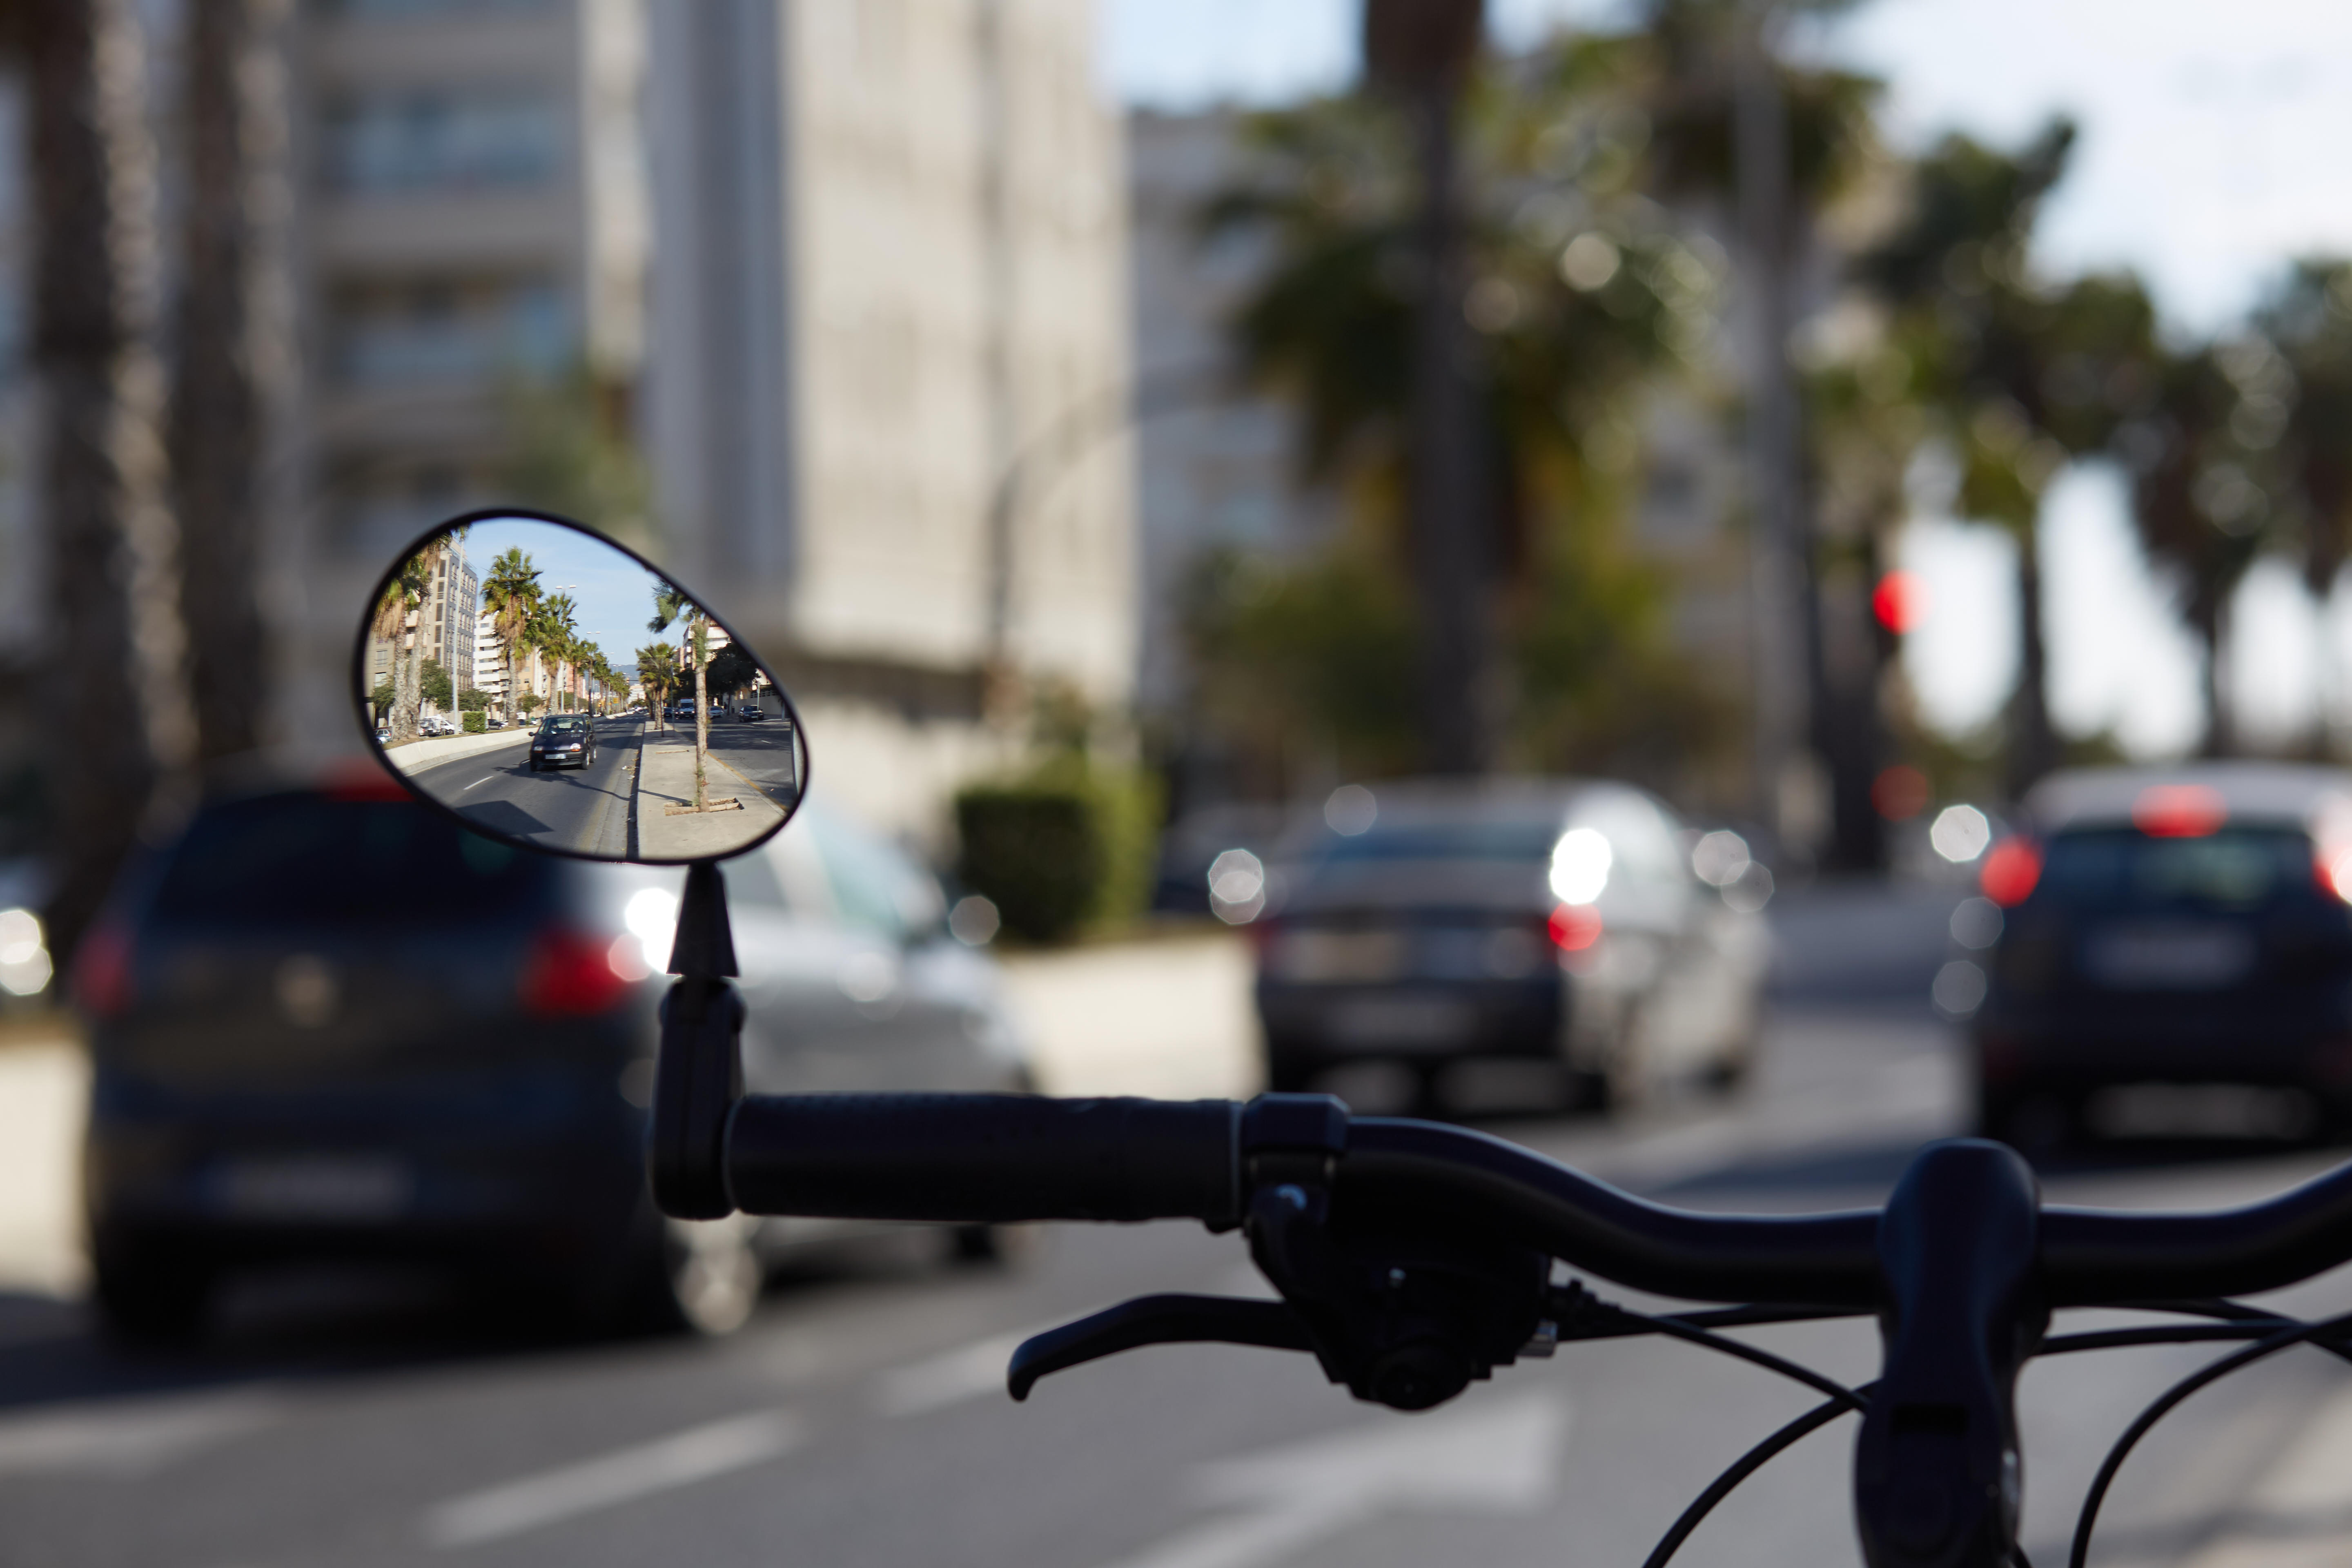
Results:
[1529, 841]
[2237, 868]
[570, 721]
[300, 859]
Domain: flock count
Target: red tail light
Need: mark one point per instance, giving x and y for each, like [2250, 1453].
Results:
[360, 778]
[2178, 811]
[102, 970]
[1574, 926]
[569, 975]
[2010, 870]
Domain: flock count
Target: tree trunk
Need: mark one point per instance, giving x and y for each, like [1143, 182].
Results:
[2208, 618]
[235, 116]
[120, 732]
[701, 712]
[2034, 750]
[1451, 493]
[1847, 732]
[1779, 546]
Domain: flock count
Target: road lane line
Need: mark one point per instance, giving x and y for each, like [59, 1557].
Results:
[479, 782]
[625, 1475]
[951, 1377]
[129, 1436]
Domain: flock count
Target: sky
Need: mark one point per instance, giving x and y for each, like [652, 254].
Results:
[615, 595]
[2210, 150]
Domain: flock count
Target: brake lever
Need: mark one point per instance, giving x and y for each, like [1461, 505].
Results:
[1154, 1321]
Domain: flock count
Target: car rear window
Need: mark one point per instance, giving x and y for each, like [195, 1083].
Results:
[2237, 868]
[569, 722]
[1526, 841]
[298, 860]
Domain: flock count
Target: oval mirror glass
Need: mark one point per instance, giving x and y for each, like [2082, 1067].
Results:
[551, 688]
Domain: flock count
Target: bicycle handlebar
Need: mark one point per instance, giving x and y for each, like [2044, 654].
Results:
[998, 1159]
[984, 1158]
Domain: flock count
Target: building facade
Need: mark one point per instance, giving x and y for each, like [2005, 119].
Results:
[892, 267]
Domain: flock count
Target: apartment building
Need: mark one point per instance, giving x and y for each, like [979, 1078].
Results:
[891, 270]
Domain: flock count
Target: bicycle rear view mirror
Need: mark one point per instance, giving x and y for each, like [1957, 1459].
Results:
[552, 690]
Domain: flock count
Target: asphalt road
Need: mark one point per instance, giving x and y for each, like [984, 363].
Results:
[584, 810]
[861, 1420]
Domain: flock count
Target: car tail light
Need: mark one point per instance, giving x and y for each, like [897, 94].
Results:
[571, 975]
[2011, 868]
[102, 970]
[360, 779]
[1574, 926]
[2179, 811]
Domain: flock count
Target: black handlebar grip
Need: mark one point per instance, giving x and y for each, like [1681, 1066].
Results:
[970, 1159]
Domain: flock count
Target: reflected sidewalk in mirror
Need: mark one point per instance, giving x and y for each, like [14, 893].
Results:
[666, 779]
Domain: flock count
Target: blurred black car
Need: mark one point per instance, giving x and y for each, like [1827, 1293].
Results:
[1429, 923]
[561, 738]
[2169, 941]
[327, 1024]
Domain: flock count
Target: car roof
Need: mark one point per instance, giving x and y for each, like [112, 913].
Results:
[2297, 793]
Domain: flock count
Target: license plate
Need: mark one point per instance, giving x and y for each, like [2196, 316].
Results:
[1340, 956]
[313, 1187]
[2169, 958]
[1429, 1023]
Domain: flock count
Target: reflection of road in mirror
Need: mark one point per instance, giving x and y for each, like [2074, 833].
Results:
[491, 784]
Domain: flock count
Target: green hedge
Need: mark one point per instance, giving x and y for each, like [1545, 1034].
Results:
[473, 722]
[1063, 850]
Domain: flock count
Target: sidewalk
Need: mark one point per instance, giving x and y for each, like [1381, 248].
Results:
[442, 748]
[666, 778]
[1167, 1017]
[44, 1082]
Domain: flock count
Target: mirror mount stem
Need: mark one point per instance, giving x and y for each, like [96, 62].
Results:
[699, 1073]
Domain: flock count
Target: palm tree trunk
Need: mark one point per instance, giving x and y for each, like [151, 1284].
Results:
[235, 119]
[121, 728]
[701, 715]
[2034, 750]
[1451, 499]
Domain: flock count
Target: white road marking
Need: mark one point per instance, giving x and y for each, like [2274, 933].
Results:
[479, 782]
[625, 1475]
[129, 1436]
[1494, 1457]
[951, 1377]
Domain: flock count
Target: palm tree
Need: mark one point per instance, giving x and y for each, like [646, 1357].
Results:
[657, 673]
[2020, 376]
[224, 352]
[510, 593]
[671, 603]
[2198, 497]
[389, 625]
[122, 728]
[2308, 317]
[1572, 293]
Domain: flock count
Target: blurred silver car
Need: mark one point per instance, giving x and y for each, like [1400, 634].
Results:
[1428, 923]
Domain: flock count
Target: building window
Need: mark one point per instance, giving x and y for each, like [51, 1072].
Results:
[401, 334]
[397, 9]
[433, 139]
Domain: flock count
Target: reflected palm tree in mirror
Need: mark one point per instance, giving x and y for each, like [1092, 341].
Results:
[510, 593]
[672, 604]
[389, 625]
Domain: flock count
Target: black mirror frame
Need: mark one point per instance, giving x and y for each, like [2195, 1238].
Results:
[532, 514]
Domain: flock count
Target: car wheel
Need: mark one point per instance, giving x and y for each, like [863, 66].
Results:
[995, 1246]
[153, 1301]
[694, 1276]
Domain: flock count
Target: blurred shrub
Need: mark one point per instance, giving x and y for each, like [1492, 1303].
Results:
[1067, 848]
[475, 722]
